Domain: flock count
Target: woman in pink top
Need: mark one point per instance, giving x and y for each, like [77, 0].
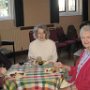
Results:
[80, 73]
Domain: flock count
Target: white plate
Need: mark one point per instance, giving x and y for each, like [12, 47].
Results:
[65, 84]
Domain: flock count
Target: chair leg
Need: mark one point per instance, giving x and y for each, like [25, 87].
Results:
[59, 51]
[14, 53]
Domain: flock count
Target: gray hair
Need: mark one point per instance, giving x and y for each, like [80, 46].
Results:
[84, 28]
[41, 26]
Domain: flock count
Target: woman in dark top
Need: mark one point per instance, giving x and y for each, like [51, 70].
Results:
[4, 61]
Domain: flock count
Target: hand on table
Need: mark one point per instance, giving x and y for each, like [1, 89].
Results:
[58, 65]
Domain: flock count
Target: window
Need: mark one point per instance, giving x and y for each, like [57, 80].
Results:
[62, 6]
[6, 9]
[70, 7]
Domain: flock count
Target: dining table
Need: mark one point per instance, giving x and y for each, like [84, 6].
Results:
[35, 77]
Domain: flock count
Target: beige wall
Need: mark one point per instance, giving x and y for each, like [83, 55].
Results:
[8, 31]
[67, 20]
[35, 11]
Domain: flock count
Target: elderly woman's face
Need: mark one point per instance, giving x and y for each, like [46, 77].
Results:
[85, 38]
[41, 34]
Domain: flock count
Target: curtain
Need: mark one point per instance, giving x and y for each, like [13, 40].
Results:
[54, 11]
[85, 10]
[19, 16]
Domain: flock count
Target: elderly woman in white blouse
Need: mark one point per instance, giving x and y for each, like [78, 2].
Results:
[42, 46]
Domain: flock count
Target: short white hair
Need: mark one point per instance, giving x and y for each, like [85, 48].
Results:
[44, 28]
[84, 28]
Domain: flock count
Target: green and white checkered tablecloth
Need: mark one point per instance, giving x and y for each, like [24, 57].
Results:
[35, 78]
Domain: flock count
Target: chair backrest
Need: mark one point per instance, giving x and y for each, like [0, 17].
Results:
[53, 35]
[72, 32]
[60, 34]
[31, 38]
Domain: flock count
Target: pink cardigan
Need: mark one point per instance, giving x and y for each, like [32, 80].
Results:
[83, 80]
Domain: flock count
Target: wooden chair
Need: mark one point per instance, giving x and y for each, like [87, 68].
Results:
[72, 39]
[7, 42]
[31, 38]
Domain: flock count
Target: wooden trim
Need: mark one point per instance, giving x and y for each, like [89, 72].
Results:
[31, 27]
